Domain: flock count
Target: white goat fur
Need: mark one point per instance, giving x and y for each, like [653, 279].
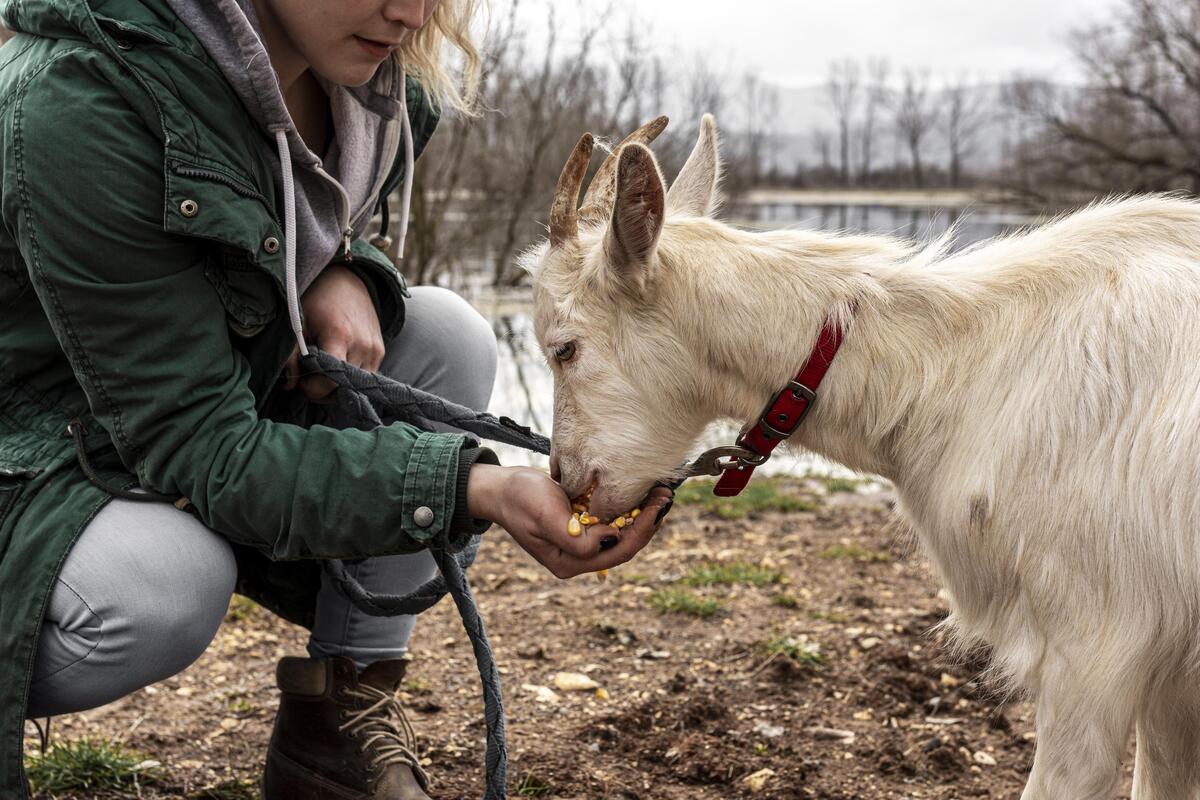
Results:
[1035, 400]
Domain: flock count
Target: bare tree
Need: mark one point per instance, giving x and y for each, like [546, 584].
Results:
[1135, 125]
[915, 116]
[965, 112]
[444, 175]
[876, 98]
[842, 88]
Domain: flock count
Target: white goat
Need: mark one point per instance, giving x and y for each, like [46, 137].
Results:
[1035, 401]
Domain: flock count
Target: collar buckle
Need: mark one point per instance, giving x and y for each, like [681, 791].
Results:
[779, 418]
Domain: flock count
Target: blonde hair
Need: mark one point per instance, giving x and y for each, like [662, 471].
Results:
[423, 57]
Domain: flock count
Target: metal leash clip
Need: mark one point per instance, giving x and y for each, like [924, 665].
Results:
[717, 460]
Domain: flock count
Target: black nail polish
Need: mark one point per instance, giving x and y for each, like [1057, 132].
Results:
[608, 543]
[662, 512]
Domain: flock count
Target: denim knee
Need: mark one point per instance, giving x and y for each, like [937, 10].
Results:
[140, 597]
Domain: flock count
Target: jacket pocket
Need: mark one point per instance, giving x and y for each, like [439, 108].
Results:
[13, 475]
[248, 294]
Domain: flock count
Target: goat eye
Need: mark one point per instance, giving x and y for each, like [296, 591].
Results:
[565, 352]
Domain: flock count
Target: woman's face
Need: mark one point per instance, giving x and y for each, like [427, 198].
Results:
[345, 41]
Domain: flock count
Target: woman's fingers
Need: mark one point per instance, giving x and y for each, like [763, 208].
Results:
[586, 554]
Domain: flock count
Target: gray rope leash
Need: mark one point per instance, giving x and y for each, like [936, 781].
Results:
[370, 399]
[375, 398]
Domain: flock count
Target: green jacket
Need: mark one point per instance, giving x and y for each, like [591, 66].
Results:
[142, 291]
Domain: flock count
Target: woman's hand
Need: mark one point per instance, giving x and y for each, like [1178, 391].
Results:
[535, 511]
[340, 319]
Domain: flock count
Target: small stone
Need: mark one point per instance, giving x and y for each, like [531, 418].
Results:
[949, 680]
[185, 691]
[543, 694]
[574, 682]
[757, 781]
[983, 758]
[869, 643]
[862, 716]
[768, 730]
[229, 723]
[845, 737]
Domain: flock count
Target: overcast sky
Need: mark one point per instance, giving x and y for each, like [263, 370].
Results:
[792, 42]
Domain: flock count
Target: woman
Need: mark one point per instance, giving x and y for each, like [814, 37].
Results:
[185, 185]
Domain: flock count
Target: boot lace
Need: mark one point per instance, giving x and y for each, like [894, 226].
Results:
[385, 729]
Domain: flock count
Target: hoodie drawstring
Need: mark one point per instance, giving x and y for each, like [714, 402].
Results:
[409, 162]
[289, 237]
[289, 213]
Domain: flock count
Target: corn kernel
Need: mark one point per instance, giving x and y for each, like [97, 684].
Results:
[602, 575]
[573, 527]
[618, 523]
[634, 514]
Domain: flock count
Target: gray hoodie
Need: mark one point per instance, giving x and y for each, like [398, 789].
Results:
[333, 196]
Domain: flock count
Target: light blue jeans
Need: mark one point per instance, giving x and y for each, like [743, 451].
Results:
[144, 588]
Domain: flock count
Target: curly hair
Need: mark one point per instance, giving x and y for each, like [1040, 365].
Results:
[424, 58]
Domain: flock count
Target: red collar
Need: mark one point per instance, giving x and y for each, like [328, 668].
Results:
[782, 414]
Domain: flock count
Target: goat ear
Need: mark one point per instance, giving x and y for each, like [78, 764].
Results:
[695, 189]
[637, 216]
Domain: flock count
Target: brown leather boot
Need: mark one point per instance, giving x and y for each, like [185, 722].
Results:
[341, 734]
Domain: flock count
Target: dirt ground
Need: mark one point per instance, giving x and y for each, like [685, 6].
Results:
[825, 681]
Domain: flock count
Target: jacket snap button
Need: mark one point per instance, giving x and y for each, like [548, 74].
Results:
[189, 208]
[423, 516]
[271, 245]
[123, 45]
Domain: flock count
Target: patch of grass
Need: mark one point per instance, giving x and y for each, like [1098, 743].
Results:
[416, 686]
[242, 707]
[532, 787]
[241, 608]
[835, 485]
[829, 616]
[807, 653]
[856, 553]
[733, 572]
[761, 495]
[229, 790]
[92, 766]
[680, 601]
[785, 600]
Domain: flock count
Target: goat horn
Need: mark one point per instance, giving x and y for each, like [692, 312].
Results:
[598, 202]
[564, 224]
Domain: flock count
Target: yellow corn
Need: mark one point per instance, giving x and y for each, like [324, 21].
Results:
[602, 575]
[618, 523]
[589, 520]
[573, 527]
[634, 514]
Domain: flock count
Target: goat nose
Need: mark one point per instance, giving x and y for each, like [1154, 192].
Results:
[555, 473]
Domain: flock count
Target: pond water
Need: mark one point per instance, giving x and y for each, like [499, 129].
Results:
[523, 382]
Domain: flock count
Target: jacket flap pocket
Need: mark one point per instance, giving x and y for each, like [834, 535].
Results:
[13, 468]
[215, 204]
[249, 294]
